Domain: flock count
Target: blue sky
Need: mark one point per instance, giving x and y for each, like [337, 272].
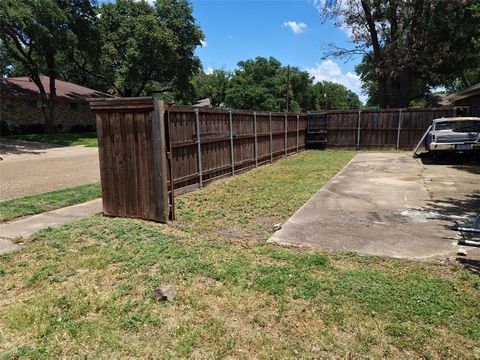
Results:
[290, 31]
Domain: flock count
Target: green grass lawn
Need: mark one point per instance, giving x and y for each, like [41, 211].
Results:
[34, 204]
[69, 139]
[84, 289]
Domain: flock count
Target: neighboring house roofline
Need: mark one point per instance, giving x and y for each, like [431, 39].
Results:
[465, 93]
[24, 87]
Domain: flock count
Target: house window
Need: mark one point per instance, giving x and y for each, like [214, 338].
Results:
[73, 106]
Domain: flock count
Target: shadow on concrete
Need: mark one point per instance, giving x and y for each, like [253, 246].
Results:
[469, 162]
[19, 147]
[451, 208]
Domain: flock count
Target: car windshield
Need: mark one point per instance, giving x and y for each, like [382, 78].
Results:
[459, 126]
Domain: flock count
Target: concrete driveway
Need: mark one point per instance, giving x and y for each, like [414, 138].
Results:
[29, 168]
[388, 204]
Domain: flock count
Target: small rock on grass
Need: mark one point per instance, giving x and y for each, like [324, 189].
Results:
[277, 227]
[164, 293]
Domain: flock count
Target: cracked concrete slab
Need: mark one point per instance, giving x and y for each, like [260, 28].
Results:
[387, 204]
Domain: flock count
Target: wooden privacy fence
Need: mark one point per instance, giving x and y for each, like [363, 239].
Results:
[132, 153]
[211, 143]
[379, 129]
[149, 151]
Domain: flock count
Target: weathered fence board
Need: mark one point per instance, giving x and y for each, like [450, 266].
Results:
[133, 167]
[228, 141]
[377, 129]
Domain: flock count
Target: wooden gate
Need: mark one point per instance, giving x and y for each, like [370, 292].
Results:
[133, 157]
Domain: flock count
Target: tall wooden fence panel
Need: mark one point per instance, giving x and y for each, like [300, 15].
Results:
[211, 143]
[379, 129]
[131, 146]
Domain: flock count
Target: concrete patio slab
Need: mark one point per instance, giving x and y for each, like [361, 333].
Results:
[387, 204]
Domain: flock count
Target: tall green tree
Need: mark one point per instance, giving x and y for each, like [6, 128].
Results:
[257, 84]
[329, 95]
[261, 84]
[408, 47]
[213, 86]
[32, 35]
[147, 49]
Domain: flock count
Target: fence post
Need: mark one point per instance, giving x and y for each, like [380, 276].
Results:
[160, 161]
[298, 120]
[271, 137]
[232, 158]
[255, 135]
[399, 127]
[286, 133]
[358, 128]
[199, 148]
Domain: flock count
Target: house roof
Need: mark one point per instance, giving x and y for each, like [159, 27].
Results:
[470, 91]
[24, 86]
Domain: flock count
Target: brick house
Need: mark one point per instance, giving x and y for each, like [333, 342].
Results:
[20, 106]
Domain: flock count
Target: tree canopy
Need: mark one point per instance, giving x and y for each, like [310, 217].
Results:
[408, 47]
[34, 34]
[130, 48]
[148, 49]
[261, 84]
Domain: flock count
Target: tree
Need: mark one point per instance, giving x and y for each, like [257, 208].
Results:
[257, 84]
[407, 47]
[329, 95]
[147, 49]
[34, 32]
[213, 86]
[261, 84]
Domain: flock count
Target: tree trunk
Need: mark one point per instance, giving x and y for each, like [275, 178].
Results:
[52, 74]
[377, 54]
[35, 74]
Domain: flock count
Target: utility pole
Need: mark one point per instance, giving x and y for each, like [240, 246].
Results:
[288, 86]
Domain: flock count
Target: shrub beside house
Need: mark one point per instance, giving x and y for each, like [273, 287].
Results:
[20, 106]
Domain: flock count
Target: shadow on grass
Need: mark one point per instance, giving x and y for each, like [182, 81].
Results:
[66, 139]
[19, 147]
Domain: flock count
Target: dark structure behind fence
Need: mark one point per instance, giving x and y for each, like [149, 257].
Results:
[372, 129]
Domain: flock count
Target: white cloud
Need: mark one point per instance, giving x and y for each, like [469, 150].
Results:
[297, 28]
[203, 43]
[329, 70]
[208, 70]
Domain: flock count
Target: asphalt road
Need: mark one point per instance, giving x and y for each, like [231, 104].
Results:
[29, 168]
[388, 204]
